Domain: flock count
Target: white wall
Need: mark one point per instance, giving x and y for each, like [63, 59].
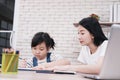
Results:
[57, 17]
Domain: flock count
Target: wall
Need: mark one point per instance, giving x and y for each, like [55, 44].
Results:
[57, 17]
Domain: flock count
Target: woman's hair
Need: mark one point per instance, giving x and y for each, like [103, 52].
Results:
[93, 26]
[42, 37]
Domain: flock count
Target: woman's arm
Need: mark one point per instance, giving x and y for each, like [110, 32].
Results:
[59, 62]
[49, 65]
[93, 69]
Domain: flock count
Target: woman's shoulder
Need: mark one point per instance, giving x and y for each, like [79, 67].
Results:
[104, 43]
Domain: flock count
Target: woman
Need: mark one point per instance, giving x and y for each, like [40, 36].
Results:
[93, 43]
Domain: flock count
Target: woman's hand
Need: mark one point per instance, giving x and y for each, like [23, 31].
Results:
[62, 68]
[66, 67]
[40, 67]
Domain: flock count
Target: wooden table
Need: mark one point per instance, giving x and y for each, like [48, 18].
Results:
[32, 75]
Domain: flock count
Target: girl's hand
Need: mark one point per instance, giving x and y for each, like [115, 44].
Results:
[22, 63]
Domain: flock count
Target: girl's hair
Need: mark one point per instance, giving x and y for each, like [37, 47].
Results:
[93, 26]
[42, 37]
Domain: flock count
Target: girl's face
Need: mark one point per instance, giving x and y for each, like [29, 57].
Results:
[84, 36]
[40, 51]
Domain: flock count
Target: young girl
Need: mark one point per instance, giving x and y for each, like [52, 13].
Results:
[43, 58]
[93, 43]
[41, 45]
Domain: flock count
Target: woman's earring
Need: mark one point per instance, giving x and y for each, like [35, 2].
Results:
[92, 37]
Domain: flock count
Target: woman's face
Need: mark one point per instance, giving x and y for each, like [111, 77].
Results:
[84, 36]
[40, 51]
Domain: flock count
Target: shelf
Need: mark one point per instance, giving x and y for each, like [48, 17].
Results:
[103, 24]
[108, 23]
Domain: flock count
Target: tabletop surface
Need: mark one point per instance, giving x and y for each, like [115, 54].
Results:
[32, 75]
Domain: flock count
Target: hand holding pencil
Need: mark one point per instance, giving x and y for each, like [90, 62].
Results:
[22, 63]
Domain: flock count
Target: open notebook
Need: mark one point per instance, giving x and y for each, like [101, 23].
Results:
[111, 65]
[47, 71]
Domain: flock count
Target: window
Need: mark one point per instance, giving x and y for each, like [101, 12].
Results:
[6, 23]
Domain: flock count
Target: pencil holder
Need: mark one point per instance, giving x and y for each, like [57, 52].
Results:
[10, 63]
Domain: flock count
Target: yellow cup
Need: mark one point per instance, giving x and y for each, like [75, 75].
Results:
[10, 63]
